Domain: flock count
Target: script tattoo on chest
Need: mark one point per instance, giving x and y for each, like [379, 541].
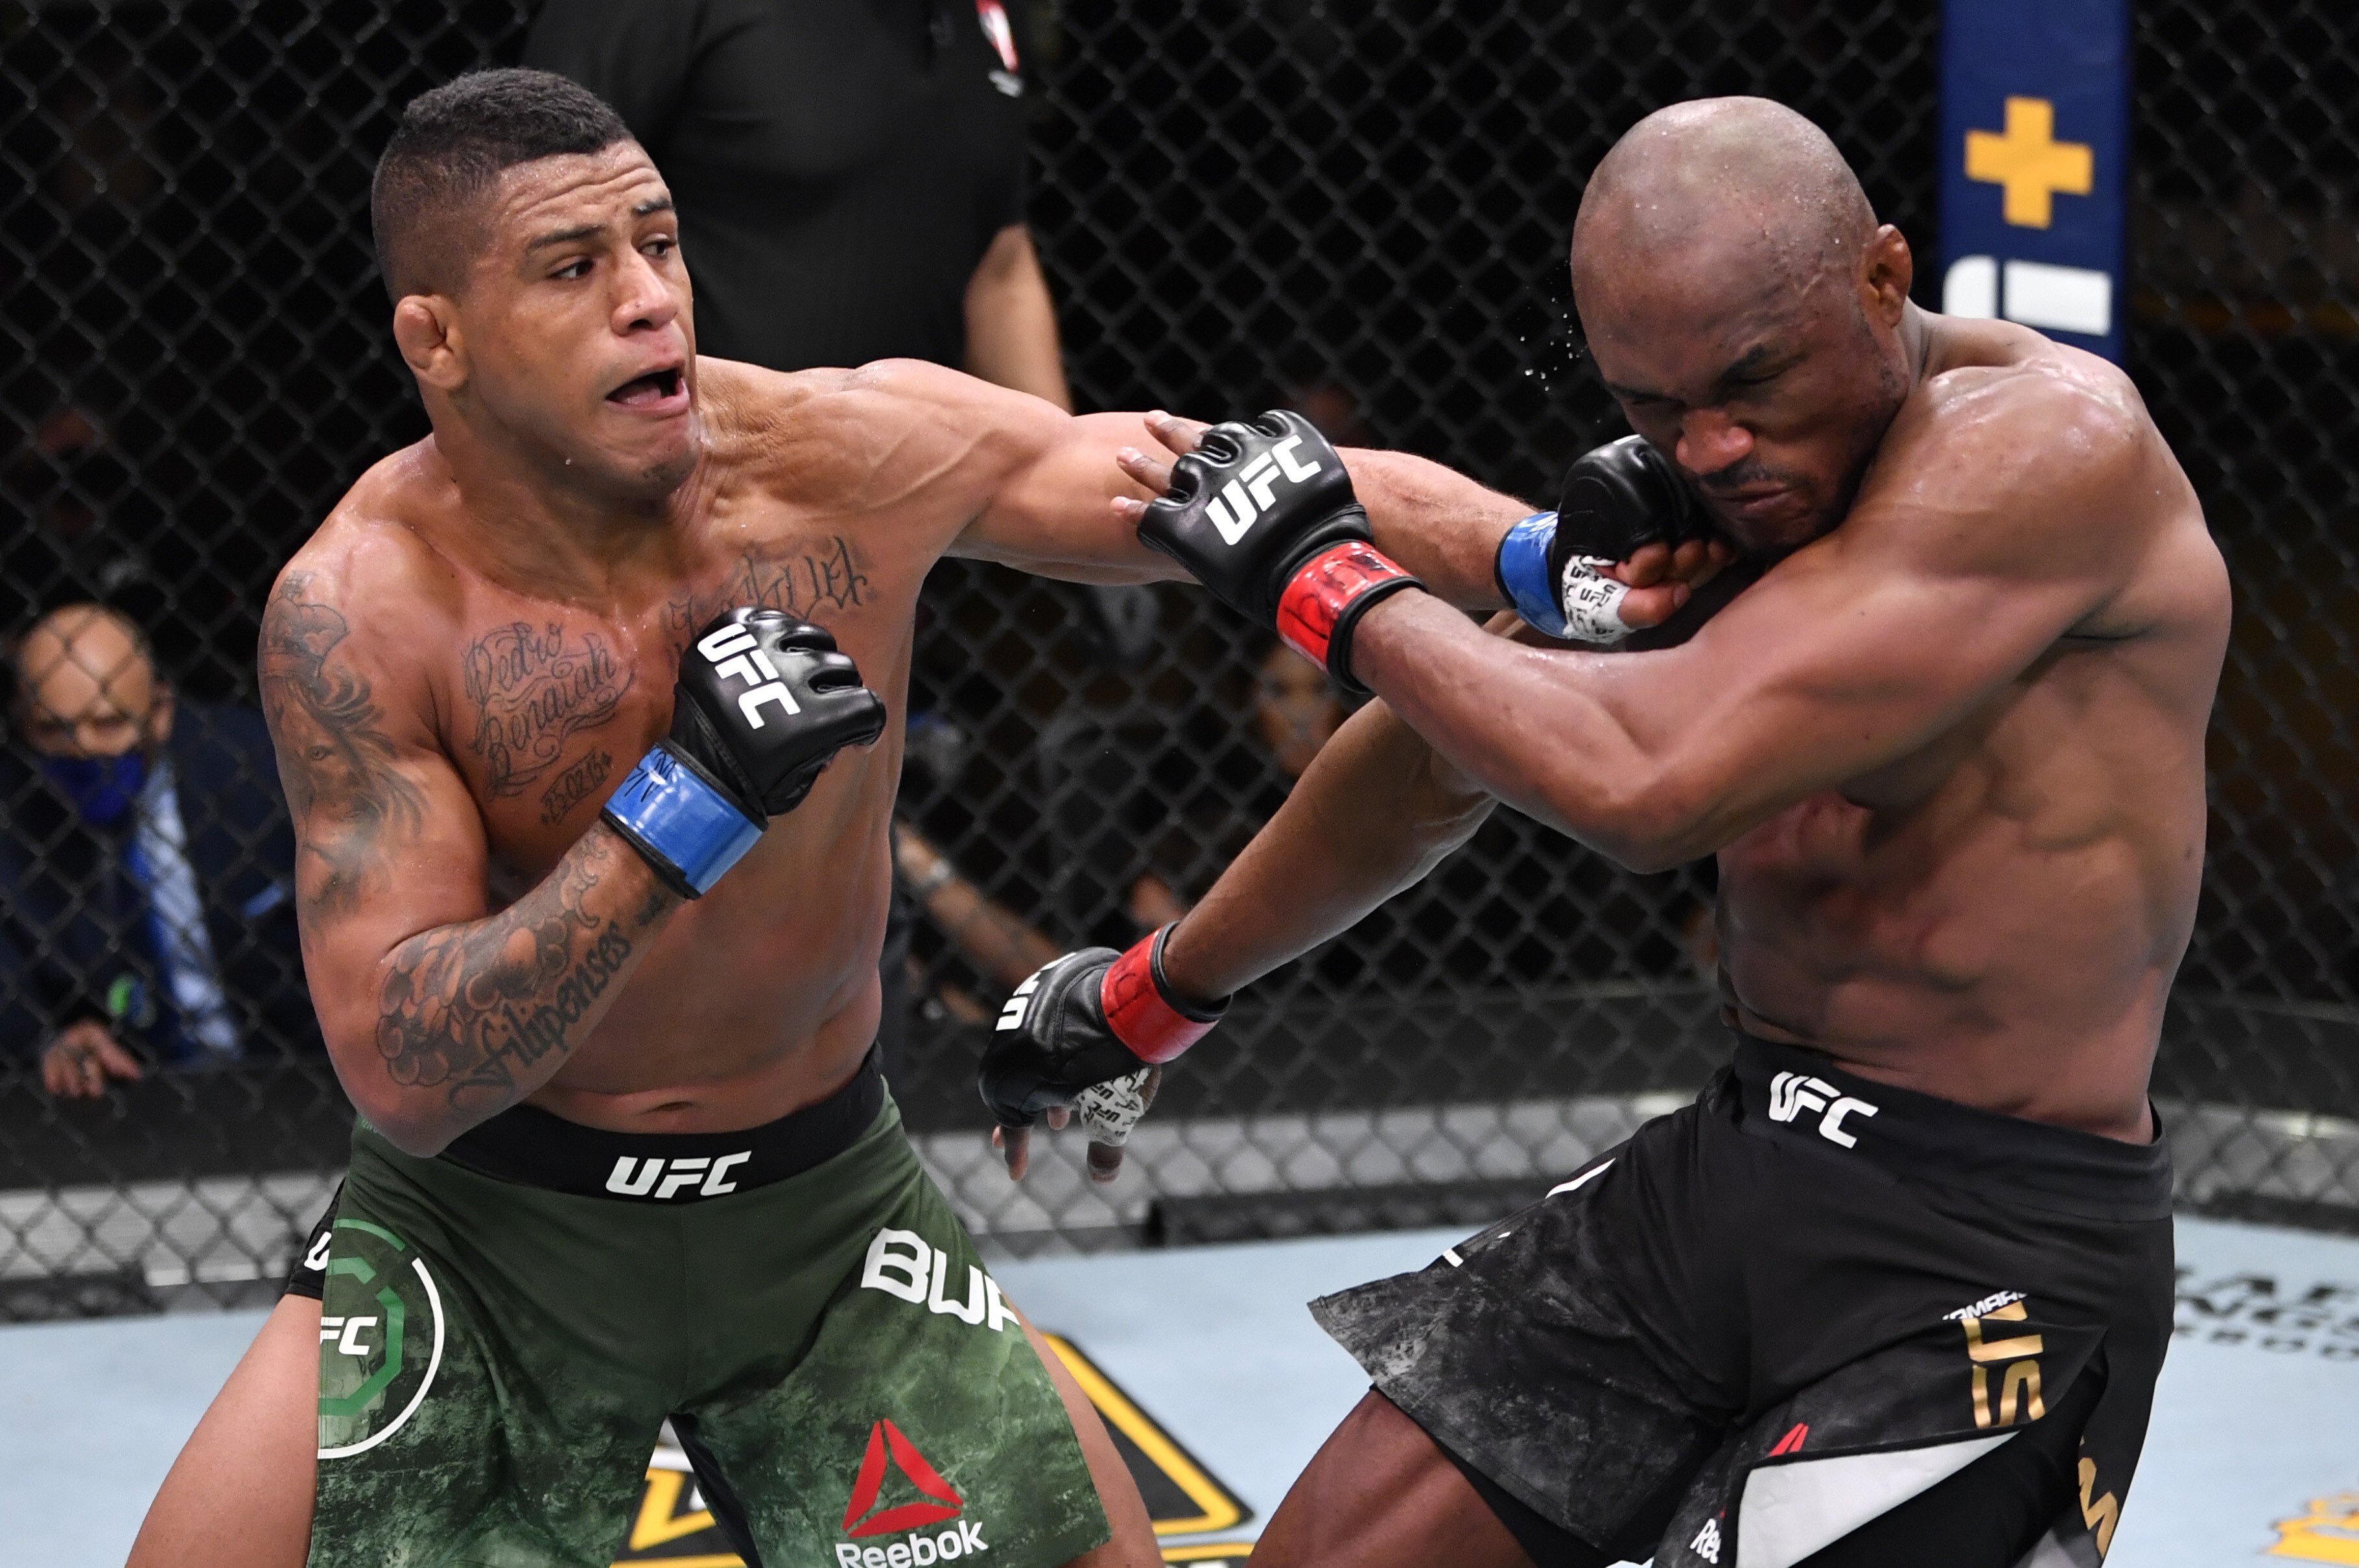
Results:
[533, 691]
[573, 786]
[801, 584]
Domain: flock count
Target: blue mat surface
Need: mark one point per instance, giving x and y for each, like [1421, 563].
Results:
[2253, 1454]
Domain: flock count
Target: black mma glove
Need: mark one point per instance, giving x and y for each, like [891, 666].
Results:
[763, 701]
[1088, 1030]
[1263, 514]
[1616, 500]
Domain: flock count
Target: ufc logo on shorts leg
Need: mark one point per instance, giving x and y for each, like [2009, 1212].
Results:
[634, 1178]
[344, 1333]
[1792, 1093]
[1235, 509]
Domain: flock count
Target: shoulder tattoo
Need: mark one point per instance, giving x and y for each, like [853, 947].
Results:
[333, 754]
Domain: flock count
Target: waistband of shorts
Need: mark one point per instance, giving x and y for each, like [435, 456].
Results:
[528, 1145]
[1797, 1095]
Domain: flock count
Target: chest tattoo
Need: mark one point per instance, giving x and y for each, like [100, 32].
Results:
[533, 690]
[576, 783]
[802, 584]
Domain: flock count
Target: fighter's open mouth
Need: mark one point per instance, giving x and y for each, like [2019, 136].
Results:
[655, 386]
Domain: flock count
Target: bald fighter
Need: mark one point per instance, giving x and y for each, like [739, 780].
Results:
[588, 711]
[146, 883]
[1896, 1289]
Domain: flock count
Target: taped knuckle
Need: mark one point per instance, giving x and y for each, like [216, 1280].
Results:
[1593, 602]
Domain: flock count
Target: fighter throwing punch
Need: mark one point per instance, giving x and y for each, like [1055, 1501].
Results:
[1896, 1289]
[588, 709]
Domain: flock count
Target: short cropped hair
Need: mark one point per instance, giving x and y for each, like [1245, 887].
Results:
[448, 151]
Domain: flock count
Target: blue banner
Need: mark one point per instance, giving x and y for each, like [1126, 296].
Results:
[2035, 165]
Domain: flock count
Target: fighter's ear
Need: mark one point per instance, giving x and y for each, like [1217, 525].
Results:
[426, 326]
[1887, 272]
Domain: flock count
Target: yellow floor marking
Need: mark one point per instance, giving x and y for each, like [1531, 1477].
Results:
[659, 1521]
[2328, 1533]
[1220, 1552]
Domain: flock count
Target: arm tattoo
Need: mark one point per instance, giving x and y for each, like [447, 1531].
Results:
[334, 758]
[470, 1009]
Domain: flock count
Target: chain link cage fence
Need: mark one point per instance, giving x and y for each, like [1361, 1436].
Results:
[199, 365]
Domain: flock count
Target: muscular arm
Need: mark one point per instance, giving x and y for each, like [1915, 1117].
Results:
[2003, 517]
[438, 1012]
[987, 473]
[1054, 512]
[1375, 811]
[1435, 521]
[1011, 322]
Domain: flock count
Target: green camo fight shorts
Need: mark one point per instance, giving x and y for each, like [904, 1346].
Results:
[496, 1360]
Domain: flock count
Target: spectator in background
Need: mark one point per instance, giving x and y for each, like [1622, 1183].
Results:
[989, 938]
[850, 182]
[146, 872]
[1296, 712]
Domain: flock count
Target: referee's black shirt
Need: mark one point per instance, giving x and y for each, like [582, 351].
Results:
[840, 166]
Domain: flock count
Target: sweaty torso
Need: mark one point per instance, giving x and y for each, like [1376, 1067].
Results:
[763, 996]
[1996, 918]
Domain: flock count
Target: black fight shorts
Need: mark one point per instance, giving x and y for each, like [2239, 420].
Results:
[1807, 1310]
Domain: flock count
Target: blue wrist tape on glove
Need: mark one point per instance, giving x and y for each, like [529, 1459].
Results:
[669, 810]
[1523, 573]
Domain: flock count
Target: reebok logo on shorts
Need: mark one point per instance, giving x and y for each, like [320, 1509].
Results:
[1792, 1094]
[890, 1449]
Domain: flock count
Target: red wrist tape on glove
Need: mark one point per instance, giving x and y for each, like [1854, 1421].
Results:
[1140, 1011]
[1326, 585]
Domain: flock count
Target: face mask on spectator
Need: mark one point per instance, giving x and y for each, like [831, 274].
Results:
[101, 788]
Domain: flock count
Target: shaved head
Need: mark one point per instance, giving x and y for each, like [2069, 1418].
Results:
[446, 158]
[1723, 181]
[86, 684]
[1745, 309]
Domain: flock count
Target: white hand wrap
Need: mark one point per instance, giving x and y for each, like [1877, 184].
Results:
[1593, 602]
[1108, 1111]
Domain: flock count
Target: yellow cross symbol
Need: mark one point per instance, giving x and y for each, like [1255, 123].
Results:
[2030, 163]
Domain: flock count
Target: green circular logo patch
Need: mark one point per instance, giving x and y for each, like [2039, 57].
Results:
[380, 1338]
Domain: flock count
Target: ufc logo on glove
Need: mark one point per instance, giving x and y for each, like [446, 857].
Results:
[1297, 556]
[1235, 509]
[733, 652]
